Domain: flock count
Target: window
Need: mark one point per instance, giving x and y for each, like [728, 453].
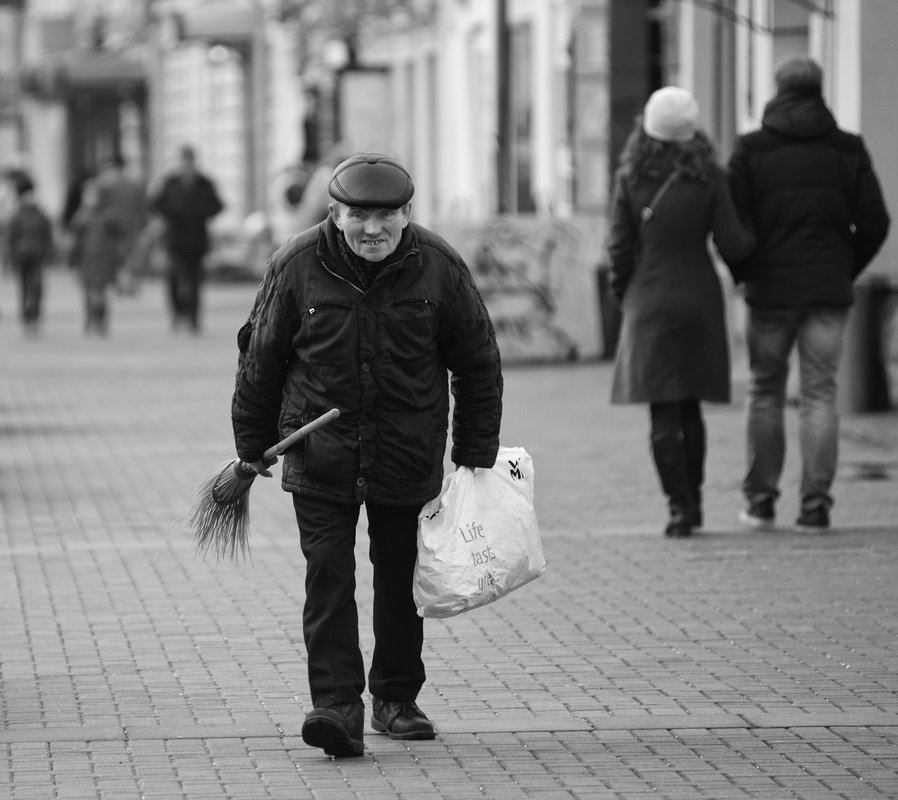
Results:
[791, 35]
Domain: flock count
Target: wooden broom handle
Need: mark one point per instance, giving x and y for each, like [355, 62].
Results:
[305, 430]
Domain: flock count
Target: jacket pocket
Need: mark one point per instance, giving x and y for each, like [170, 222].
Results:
[328, 335]
[328, 455]
[407, 457]
[409, 329]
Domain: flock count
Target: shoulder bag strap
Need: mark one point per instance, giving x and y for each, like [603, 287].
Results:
[648, 211]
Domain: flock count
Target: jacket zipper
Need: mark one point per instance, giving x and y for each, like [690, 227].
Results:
[340, 277]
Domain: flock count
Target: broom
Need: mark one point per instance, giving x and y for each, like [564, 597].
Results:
[219, 516]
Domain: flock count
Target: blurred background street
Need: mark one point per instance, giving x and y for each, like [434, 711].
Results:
[509, 114]
[729, 665]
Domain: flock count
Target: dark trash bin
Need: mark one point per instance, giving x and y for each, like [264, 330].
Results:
[863, 379]
[609, 314]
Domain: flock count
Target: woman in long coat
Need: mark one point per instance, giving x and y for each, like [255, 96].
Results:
[673, 353]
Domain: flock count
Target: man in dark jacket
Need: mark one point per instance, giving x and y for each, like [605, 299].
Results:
[368, 313]
[187, 200]
[810, 190]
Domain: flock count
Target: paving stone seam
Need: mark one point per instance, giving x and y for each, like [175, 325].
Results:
[659, 723]
[275, 542]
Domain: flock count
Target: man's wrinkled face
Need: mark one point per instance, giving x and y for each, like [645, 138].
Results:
[371, 233]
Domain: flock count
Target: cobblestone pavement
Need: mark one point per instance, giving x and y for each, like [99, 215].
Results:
[729, 665]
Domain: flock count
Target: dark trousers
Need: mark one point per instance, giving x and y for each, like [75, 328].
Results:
[330, 615]
[31, 282]
[185, 278]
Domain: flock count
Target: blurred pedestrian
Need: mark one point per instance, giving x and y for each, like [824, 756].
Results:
[187, 200]
[812, 194]
[673, 351]
[12, 179]
[368, 313]
[315, 203]
[74, 191]
[30, 243]
[97, 250]
[128, 201]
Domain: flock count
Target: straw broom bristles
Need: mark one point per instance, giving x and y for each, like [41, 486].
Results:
[219, 516]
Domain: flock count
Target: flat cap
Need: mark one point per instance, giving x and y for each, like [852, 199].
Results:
[371, 180]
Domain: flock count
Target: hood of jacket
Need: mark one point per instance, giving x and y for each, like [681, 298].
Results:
[798, 115]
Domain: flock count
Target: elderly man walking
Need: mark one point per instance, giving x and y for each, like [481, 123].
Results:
[374, 315]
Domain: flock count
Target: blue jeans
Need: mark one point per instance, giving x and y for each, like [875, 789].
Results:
[772, 333]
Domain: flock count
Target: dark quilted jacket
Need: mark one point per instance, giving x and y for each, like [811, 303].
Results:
[816, 205]
[314, 341]
[187, 208]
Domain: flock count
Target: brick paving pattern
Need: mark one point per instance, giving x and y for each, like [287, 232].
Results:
[730, 665]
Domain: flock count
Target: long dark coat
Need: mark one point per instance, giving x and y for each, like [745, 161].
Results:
[673, 342]
[97, 251]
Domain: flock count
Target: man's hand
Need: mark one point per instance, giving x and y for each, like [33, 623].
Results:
[261, 467]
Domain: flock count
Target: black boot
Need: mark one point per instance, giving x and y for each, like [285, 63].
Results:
[694, 441]
[669, 453]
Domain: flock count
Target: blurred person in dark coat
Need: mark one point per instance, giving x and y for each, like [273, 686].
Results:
[30, 246]
[316, 199]
[374, 315]
[13, 180]
[128, 201]
[73, 194]
[187, 200]
[813, 197]
[98, 239]
[673, 351]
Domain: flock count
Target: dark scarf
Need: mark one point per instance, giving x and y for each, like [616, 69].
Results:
[363, 271]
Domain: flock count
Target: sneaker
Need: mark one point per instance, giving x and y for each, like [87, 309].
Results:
[401, 719]
[338, 730]
[814, 520]
[759, 515]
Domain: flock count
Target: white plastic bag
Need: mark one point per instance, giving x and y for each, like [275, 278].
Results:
[479, 539]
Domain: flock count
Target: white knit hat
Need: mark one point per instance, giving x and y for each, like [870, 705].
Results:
[671, 115]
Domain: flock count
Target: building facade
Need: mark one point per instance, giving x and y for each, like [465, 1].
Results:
[509, 113]
[78, 86]
[137, 78]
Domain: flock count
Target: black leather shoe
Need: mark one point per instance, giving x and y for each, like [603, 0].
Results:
[402, 720]
[338, 730]
[680, 522]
